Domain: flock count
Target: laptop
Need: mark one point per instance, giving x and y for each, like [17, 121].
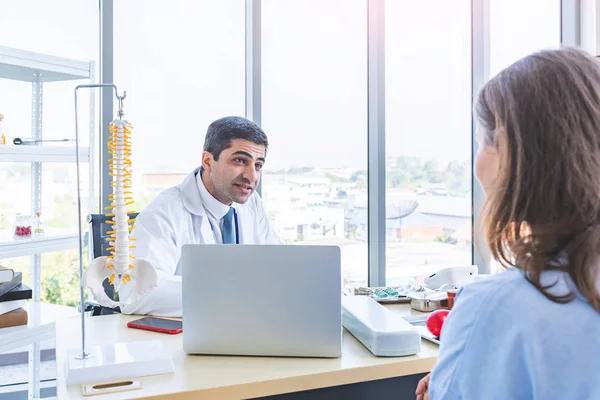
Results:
[262, 300]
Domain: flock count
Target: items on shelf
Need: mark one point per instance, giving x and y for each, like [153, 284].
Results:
[27, 226]
[39, 227]
[13, 296]
[21, 292]
[33, 141]
[6, 274]
[2, 130]
[22, 227]
[16, 317]
[10, 285]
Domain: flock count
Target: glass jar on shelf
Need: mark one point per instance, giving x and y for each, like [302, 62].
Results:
[22, 227]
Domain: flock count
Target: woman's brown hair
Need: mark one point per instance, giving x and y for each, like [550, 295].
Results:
[542, 115]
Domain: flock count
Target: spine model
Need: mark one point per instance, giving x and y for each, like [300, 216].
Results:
[119, 146]
[120, 267]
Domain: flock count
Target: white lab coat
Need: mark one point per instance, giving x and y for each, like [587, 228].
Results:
[177, 217]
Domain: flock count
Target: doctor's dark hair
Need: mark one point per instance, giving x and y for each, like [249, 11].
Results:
[221, 132]
[542, 115]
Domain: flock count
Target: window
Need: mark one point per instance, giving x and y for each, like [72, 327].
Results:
[314, 104]
[518, 28]
[428, 137]
[181, 70]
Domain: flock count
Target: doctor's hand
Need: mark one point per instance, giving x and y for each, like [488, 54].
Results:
[422, 388]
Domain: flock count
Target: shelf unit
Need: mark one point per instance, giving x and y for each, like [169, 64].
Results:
[40, 69]
[45, 244]
[11, 153]
[41, 330]
[41, 326]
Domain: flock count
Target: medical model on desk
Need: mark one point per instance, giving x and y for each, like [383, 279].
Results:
[120, 267]
[115, 362]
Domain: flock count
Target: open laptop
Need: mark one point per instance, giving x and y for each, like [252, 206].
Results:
[262, 300]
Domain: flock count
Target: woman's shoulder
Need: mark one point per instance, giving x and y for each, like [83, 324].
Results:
[506, 319]
[503, 301]
[495, 286]
[511, 288]
[509, 302]
[473, 331]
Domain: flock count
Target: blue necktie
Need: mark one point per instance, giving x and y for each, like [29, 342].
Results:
[228, 228]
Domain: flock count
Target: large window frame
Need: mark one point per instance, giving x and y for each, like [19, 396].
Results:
[375, 12]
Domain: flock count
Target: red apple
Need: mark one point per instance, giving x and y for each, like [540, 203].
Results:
[435, 320]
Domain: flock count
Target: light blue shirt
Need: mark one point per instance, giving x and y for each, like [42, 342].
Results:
[505, 340]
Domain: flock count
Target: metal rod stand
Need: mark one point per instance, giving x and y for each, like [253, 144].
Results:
[84, 355]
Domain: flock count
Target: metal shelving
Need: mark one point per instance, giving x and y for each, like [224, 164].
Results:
[41, 326]
[39, 69]
[10, 153]
[45, 244]
[26, 66]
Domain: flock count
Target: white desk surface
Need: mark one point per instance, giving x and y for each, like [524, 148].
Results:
[228, 377]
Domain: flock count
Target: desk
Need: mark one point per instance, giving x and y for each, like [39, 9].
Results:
[227, 377]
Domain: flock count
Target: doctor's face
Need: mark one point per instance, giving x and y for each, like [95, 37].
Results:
[236, 174]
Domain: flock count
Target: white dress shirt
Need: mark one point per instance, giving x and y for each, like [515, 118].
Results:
[215, 210]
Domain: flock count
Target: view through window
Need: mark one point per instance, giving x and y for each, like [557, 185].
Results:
[181, 70]
[314, 106]
[428, 137]
[186, 69]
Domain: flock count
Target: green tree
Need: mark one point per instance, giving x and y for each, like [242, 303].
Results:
[334, 178]
[432, 173]
[361, 179]
[457, 178]
[60, 277]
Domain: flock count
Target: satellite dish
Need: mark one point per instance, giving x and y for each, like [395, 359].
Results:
[400, 208]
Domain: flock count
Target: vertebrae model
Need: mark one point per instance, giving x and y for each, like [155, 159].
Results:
[121, 266]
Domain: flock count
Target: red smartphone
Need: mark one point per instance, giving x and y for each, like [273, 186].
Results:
[157, 324]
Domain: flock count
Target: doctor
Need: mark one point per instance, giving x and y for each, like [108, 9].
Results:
[216, 203]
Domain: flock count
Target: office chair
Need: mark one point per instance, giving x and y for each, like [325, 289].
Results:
[98, 229]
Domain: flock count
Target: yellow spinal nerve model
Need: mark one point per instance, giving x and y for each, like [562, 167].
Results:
[121, 266]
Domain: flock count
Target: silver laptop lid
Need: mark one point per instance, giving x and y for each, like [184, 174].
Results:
[271, 300]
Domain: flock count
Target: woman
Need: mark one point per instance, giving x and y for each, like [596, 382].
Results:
[533, 331]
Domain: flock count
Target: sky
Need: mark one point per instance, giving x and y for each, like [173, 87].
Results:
[184, 67]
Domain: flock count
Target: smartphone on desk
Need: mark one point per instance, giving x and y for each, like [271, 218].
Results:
[155, 324]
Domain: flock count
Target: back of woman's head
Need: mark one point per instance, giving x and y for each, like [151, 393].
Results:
[542, 117]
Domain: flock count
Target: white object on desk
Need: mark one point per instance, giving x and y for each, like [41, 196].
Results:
[453, 276]
[378, 329]
[119, 361]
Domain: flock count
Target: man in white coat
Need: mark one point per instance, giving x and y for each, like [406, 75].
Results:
[216, 203]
